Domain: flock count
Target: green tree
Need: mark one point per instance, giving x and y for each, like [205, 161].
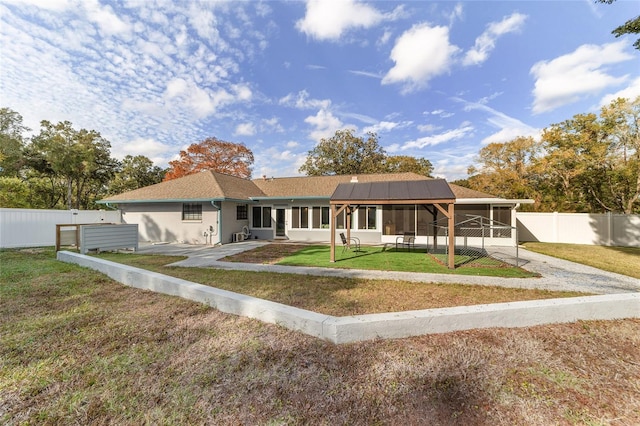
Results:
[621, 121]
[406, 163]
[343, 154]
[77, 163]
[632, 26]
[12, 142]
[505, 169]
[135, 172]
[14, 193]
[595, 161]
[572, 167]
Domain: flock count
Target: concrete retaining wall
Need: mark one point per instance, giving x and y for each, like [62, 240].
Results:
[367, 327]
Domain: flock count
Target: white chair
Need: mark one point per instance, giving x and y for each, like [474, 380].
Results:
[408, 240]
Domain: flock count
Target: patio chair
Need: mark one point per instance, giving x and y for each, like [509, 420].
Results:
[346, 245]
[407, 240]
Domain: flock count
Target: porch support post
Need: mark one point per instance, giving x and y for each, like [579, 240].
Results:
[451, 221]
[452, 261]
[333, 233]
[348, 212]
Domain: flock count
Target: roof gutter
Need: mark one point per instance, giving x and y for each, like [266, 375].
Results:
[177, 200]
[290, 198]
[492, 201]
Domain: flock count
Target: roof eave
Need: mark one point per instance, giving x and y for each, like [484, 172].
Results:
[176, 200]
[395, 201]
[493, 201]
[289, 198]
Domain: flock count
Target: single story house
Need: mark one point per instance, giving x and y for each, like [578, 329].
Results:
[214, 208]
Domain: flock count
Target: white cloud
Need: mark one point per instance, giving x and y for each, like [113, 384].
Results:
[302, 101]
[440, 113]
[384, 38]
[325, 124]
[581, 73]
[53, 5]
[456, 14]
[272, 125]
[386, 126]
[421, 53]
[509, 127]
[426, 128]
[463, 131]
[330, 19]
[245, 129]
[156, 151]
[486, 42]
[366, 74]
[108, 22]
[630, 92]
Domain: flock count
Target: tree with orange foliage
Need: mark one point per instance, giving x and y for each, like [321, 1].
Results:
[212, 154]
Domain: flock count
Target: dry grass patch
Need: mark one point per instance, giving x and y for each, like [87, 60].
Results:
[338, 296]
[78, 348]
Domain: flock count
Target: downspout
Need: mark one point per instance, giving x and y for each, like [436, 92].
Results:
[110, 207]
[219, 220]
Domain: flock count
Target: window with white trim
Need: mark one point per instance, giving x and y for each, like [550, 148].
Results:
[320, 218]
[261, 217]
[300, 217]
[367, 217]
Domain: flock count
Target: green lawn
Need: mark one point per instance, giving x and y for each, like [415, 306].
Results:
[379, 258]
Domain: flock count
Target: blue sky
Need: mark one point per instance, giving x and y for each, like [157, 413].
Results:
[437, 80]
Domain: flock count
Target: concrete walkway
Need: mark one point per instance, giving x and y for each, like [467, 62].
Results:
[557, 274]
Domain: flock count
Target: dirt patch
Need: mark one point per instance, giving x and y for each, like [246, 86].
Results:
[269, 254]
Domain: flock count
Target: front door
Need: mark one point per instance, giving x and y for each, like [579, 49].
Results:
[280, 223]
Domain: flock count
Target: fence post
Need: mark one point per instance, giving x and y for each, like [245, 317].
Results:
[609, 228]
[555, 227]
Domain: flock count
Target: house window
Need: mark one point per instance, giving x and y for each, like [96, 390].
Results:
[242, 212]
[191, 211]
[300, 217]
[320, 218]
[367, 217]
[341, 220]
[261, 217]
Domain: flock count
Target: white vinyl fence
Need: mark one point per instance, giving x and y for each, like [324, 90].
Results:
[37, 228]
[580, 228]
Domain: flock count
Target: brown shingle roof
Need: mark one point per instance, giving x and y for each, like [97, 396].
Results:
[462, 192]
[211, 185]
[198, 186]
[322, 186]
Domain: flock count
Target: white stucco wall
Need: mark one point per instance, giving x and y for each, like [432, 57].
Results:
[230, 223]
[162, 222]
